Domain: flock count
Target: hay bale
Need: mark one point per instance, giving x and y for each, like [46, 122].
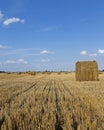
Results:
[87, 71]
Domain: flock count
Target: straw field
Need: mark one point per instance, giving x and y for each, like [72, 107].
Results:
[51, 102]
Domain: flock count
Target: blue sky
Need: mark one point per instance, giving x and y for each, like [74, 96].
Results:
[50, 34]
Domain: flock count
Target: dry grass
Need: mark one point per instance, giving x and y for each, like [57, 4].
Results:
[32, 73]
[51, 102]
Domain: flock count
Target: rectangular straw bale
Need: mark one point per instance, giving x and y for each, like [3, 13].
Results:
[87, 71]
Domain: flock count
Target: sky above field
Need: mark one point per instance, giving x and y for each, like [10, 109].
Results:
[50, 34]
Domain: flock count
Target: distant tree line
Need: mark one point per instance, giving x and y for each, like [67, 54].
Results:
[2, 72]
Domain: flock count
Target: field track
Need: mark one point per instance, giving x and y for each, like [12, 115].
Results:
[50, 102]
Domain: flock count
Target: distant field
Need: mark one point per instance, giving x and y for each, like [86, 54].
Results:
[50, 102]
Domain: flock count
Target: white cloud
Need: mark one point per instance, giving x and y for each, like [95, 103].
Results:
[100, 51]
[45, 60]
[93, 55]
[3, 47]
[84, 52]
[46, 52]
[24, 51]
[19, 61]
[9, 62]
[1, 15]
[7, 21]
[12, 20]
